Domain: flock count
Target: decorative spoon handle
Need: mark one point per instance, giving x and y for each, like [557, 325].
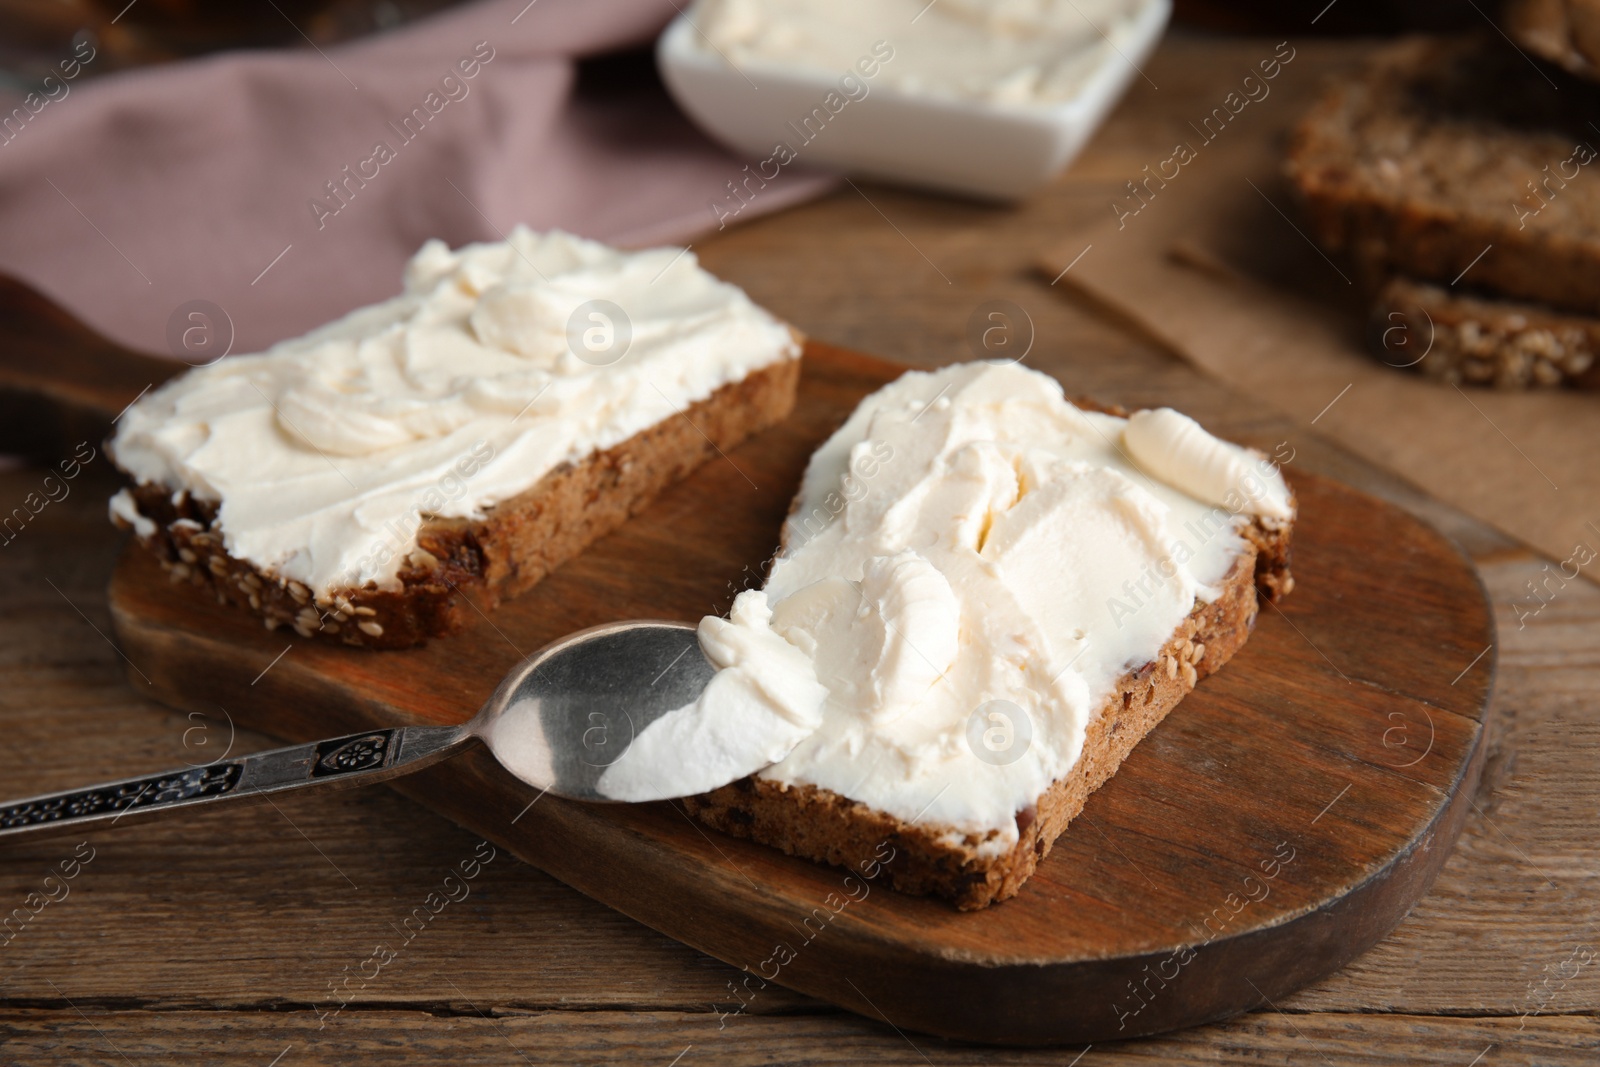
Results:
[356, 759]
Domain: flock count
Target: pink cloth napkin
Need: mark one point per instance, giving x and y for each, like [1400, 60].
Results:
[127, 197]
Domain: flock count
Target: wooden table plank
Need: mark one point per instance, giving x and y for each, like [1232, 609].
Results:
[469, 1033]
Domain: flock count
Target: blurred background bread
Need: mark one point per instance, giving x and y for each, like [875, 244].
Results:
[1453, 175]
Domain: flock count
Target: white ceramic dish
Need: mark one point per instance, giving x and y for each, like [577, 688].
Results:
[965, 146]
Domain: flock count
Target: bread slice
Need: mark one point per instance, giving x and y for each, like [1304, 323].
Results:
[1462, 337]
[1566, 32]
[484, 561]
[824, 826]
[1456, 159]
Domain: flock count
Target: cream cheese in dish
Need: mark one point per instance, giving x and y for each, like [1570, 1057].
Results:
[968, 541]
[504, 360]
[1004, 52]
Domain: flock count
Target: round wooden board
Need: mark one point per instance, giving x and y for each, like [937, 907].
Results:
[1280, 821]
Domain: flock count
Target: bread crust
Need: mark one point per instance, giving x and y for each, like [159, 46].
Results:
[487, 560]
[933, 859]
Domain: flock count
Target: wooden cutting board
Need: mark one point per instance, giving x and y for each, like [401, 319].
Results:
[1282, 820]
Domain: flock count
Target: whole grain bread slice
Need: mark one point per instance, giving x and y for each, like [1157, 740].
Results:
[515, 544]
[1468, 338]
[933, 859]
[1458, 160]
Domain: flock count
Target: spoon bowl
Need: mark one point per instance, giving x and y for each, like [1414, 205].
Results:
[570, 710]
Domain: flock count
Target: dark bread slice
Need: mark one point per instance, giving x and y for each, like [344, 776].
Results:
[488, 560]
[1457, 156]
[1566, 32]
[824, 826]
[1480, 340]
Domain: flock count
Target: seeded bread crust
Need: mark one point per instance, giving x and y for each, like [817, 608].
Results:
[1443, 148]
[462, 566]
[1566, 32]
[932, 859]
[1477, 340]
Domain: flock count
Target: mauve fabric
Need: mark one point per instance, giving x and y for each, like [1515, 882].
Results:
[138, 192]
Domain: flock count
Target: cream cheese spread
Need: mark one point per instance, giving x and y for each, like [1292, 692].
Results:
[972, 564]
[1003, 52]
[496, 364]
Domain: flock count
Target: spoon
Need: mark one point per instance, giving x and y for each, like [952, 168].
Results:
[557, 721]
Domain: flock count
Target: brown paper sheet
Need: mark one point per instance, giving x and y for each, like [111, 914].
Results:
[1216, 267]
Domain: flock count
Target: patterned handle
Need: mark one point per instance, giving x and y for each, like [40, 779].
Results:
[356, 759]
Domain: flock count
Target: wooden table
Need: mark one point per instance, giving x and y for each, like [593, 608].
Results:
[218, 938]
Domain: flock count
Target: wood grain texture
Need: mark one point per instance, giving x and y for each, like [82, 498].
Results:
[1281, 821]
[468, 1034]
[217, 929]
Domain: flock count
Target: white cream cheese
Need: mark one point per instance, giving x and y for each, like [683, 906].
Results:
[1176, 449]
[763, 702]
[123, 509]
[325, 453]
[967, 541]
[1004, 52]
